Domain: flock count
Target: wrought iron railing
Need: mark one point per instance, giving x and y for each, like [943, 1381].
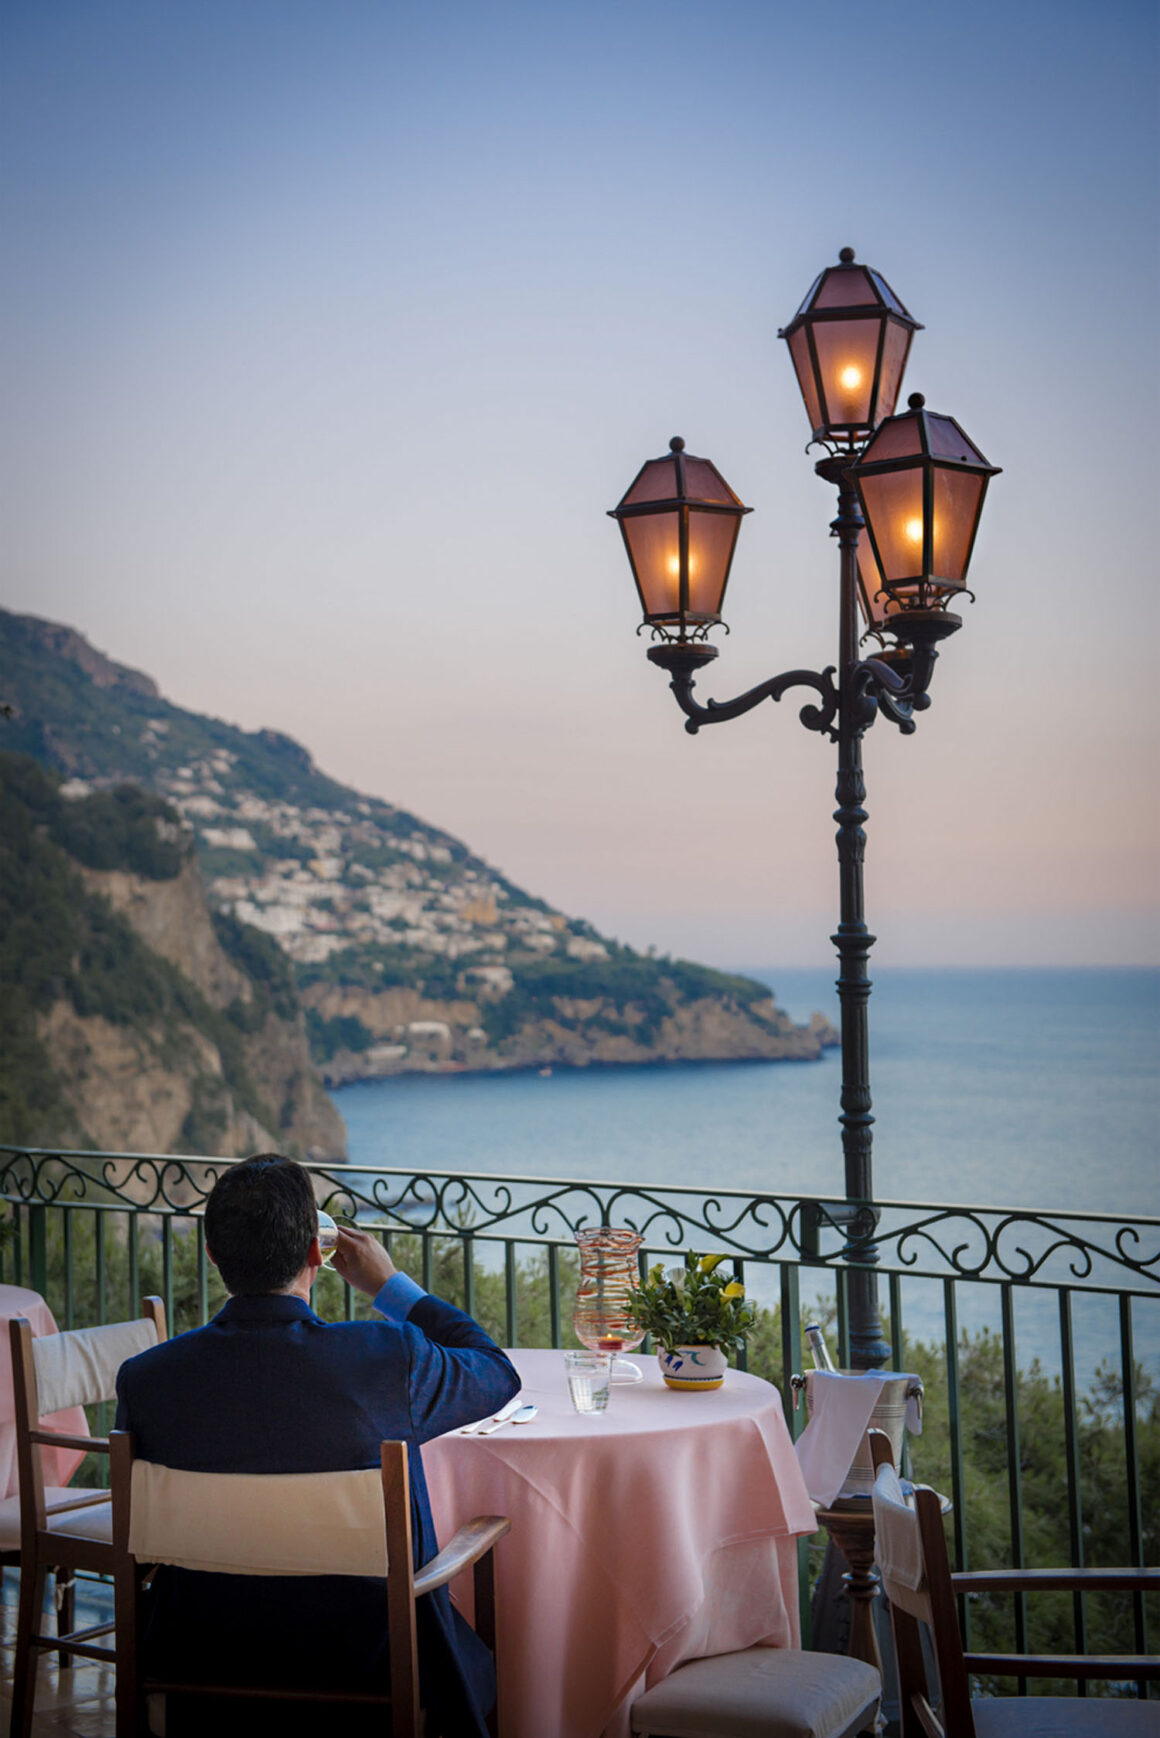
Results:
[1025, 1324]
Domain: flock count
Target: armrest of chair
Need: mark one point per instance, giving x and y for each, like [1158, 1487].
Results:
[62, 1439]
[1055, 1580]
[1125, 1667]
[473, 1541]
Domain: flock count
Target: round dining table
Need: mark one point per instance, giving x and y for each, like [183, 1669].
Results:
[59, 1463]
[658, 1531]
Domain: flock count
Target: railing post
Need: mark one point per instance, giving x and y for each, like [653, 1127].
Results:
[554, 1328]
[1014, 1464]
[511, 1292]
[38, 1248]
[791, 1339]
[1074, 1466]
[1132, 1469]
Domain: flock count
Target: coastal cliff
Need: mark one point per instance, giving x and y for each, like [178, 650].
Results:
[127, 1025]
[406, 951]
[406, 1032]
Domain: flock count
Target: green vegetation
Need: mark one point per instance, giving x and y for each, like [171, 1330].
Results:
[124, 829]
[262, 960]
[701, 1306]
[637, 992]
[374, 967]
[328, 1037]
[59, 942]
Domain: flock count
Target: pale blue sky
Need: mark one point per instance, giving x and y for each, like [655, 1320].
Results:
[332, 330]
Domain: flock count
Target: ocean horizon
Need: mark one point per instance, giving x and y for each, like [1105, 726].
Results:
[1033, 1087]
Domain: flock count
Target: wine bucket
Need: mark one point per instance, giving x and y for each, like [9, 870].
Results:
[889, 1414]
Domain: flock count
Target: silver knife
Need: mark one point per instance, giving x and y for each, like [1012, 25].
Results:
[496, 1417]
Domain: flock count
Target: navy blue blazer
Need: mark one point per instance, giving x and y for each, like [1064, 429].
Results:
[268, 1387]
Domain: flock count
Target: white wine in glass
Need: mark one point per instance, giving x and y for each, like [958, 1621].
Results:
[327, 1237]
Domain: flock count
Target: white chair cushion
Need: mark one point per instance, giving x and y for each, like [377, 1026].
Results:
[1064, 1717]
[326, 1523]
[80, 1368]
[10, 1513]
[94, 1522]
[761, 1692]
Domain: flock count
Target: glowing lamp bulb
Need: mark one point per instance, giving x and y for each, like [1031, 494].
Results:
[851, 378]
[914, 530]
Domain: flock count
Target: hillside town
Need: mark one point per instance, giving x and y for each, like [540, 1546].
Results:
[321, 880]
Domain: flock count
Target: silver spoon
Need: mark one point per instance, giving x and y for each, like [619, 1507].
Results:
[496, 1418]
[523, 1416]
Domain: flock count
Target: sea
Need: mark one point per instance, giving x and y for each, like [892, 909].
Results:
[1034, 1088]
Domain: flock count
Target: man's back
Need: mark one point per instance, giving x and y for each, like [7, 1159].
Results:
[267, 1387]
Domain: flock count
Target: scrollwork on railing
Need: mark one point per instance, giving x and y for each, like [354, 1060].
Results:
[1023, 1246]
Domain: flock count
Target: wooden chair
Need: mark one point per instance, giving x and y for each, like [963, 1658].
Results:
[63, 1530]
[337, 1523]
[916, 1574]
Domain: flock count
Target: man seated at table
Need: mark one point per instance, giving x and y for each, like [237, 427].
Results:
[267, 1387]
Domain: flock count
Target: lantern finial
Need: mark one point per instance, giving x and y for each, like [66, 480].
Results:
[846, 255]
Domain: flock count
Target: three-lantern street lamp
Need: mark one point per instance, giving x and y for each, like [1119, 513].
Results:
[915, 483]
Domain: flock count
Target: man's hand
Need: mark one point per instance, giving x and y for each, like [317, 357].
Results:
[361, 1260]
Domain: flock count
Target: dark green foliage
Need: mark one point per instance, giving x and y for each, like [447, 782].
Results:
[385, 968]
[701, 1306]
[343, 1032]
[502, 1019]
[58, 941]
[264, 963]
[124, 829]
[693, 980]
[32, 1107]
[637, 992]
[376, 857]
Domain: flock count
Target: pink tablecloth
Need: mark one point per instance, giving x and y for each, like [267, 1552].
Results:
[59, 1463]
[659, 1532]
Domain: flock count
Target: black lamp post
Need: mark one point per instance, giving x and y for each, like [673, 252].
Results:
[916, 484]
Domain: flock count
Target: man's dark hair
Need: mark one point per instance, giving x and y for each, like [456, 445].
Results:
[260, 1219]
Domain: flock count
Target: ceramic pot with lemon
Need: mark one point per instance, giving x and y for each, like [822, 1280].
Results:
[695, 1313]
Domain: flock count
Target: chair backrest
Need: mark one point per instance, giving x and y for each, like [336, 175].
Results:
[60, 1371]
[911, 1551]
[345, 1523]
[323, 1523]
[80, 1368]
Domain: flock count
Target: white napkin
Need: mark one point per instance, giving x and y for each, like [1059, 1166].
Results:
[841, 1407]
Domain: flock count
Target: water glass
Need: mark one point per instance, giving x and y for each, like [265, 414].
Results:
[327, 1237]
[589, 1377]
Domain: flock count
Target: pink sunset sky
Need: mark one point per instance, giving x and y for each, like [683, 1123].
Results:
[332, 331]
